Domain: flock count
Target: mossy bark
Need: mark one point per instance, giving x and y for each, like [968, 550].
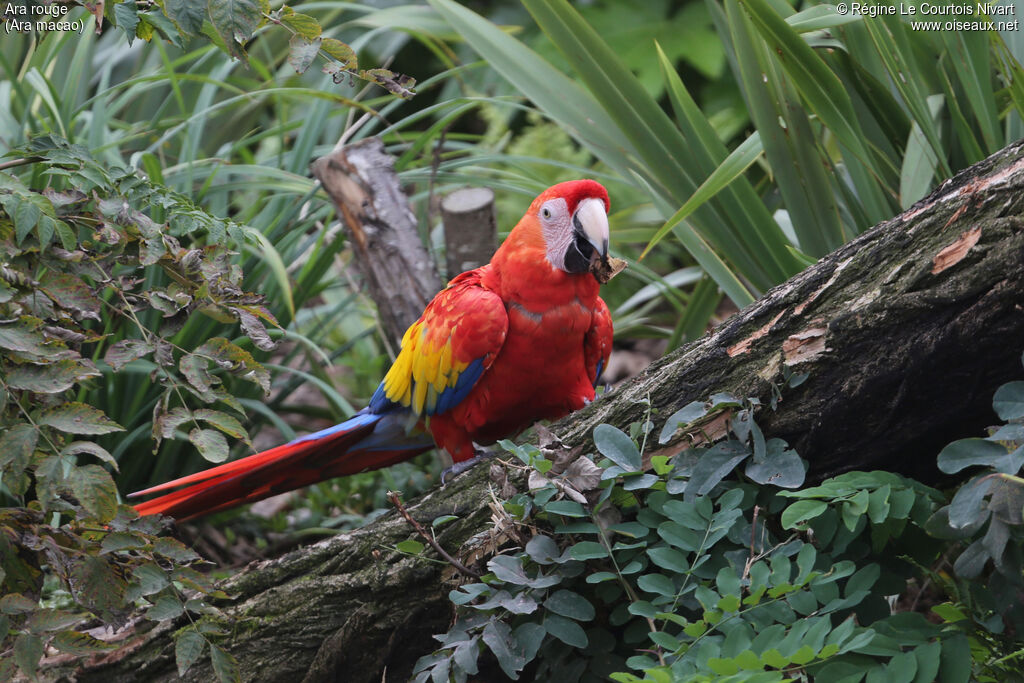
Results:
[905, 333]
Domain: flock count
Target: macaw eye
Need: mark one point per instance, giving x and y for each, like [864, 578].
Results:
[545, 212]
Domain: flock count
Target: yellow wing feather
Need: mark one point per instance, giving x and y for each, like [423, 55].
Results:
[465, 323]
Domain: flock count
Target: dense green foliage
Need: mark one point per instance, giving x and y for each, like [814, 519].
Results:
[105, 269]
[718, 567]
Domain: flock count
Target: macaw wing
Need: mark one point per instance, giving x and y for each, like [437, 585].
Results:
[446, 351]
[597, 344]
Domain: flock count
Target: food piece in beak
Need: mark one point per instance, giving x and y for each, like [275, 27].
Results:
[606, 267]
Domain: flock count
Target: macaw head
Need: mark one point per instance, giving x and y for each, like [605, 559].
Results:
[573, 220]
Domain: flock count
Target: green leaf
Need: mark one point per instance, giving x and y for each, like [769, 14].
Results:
[238, 360]
[95, 490]
[679, 536]
[863, 579]
[445, 519]
[803, 655]
[1008, 401]
[16, 446]
[657, 583]
[125, 351]
[303, 24]
[71, 293]
[498, 637]
[802, 511]
[188, 648]
[24, 338]
[729, 603]
[174, 550]
[773, 658]
[224, 422]
[969, 452]
[530, 637]
[542, 549]
[510, 569]
[955, 662]
[681, 418]
[236, 21]
[97, 585]
[781, 467]
[26, 215]
[714, 465]
[566, 630]
[224, 665]
[150, 578]
[211, 444]
[28, 650]
[901, 668]
[670, 559]
[67, 236]
[587, 550]
[569, 604]
[410, 546]
[51, 378]
[878, 504]
[567, 508]
[854, 508]
[967, 505]
[341, 52]
[16, 603]
[166, 607]
[126, 15]
[615, 445]
[949, 612]
[600, 577]
[643, 608]
[820, 17]
[302, 52]
[79, 644]
[76, 447]
[48, 620]
[662, 639]
[187, 15]
[78, 418]
[928, 658]
[117, 541]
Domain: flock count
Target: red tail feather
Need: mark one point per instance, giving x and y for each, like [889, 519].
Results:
[300, 463]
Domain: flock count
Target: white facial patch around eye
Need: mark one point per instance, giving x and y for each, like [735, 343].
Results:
[556, 227]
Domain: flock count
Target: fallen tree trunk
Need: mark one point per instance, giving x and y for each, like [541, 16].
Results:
[904, 334]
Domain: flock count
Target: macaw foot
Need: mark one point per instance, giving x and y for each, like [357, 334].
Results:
[459, 467]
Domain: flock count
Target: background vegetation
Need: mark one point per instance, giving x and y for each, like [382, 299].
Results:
[156, 178]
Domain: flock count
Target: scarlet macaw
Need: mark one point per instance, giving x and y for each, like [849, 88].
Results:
[521, 339]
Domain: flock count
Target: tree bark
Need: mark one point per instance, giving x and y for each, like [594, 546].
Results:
[904, 333]
[401, 278]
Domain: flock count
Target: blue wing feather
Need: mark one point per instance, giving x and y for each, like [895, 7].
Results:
[454, 395]
[446, 400]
